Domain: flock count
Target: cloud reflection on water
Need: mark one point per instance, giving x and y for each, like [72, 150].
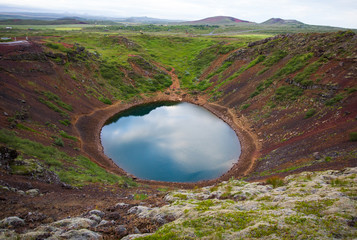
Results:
[191, 141]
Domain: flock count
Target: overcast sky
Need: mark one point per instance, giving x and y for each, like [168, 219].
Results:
[340, 13]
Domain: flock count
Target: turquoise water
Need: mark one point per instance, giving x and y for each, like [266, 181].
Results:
[174, 142]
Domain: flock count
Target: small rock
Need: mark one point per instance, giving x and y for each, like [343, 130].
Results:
[33, 192]
[103, 223]
[82, 234]
[121, 229]
[134, 236]
[95, 218]
[20, 192]
[121, 205]
[12, 222]
[316, 155]
[97, 212]
[75, 223]
[136, 230]
[6, 114]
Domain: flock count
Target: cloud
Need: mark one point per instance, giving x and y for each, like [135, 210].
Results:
[182, 133]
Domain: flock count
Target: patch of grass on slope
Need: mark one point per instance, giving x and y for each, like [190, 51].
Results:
[295, 64]
[76, 171]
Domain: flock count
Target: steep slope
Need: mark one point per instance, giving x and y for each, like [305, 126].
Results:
[299, 94]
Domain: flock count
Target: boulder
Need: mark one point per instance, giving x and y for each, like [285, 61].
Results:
[97, 212]
[33, 192]
[12, 222]
[82, 234]
[75, 223]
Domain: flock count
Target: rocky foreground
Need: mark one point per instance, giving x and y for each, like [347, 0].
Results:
[309, 205]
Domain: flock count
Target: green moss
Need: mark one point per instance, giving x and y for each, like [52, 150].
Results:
[180, 196]
[204, 205]
[313, 207]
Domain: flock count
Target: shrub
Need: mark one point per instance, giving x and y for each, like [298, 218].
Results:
[275, 181]
[58, 141]
[353, 136]
[310, 113]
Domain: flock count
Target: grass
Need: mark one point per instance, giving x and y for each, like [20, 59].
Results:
[66, 135]
[55, 98]
[336, 99]
[303, 77]
[275, 181]
[77, 171]
[296, 63]
[65, 122]
[54, 107]
[254, 62]
[287, 93]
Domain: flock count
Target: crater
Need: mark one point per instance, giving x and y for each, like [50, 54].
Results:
[171, 142]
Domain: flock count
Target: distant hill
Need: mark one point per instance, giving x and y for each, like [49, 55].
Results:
[147, 20]
[60, 21]
[272, 21]
[218, 20]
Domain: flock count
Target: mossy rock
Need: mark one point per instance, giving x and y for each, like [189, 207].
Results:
[26, 167]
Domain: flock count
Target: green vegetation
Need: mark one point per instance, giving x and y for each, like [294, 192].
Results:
[273, 59]
[295, 64]
[311, 112]
[105, 100]
[140, 196]
[53, 97]
[65, 122]
[245, 106]
[336, 99]
[303, 77]
[58, 141]
[53, 107]
[254, 62]
[204, 205]
[313, 207]
[275, 181]
[287, 93]
[23, 127]
[66, 135]
[76, 171]
[353, 136]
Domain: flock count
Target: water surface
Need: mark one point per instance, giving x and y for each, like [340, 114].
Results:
[176, 142]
